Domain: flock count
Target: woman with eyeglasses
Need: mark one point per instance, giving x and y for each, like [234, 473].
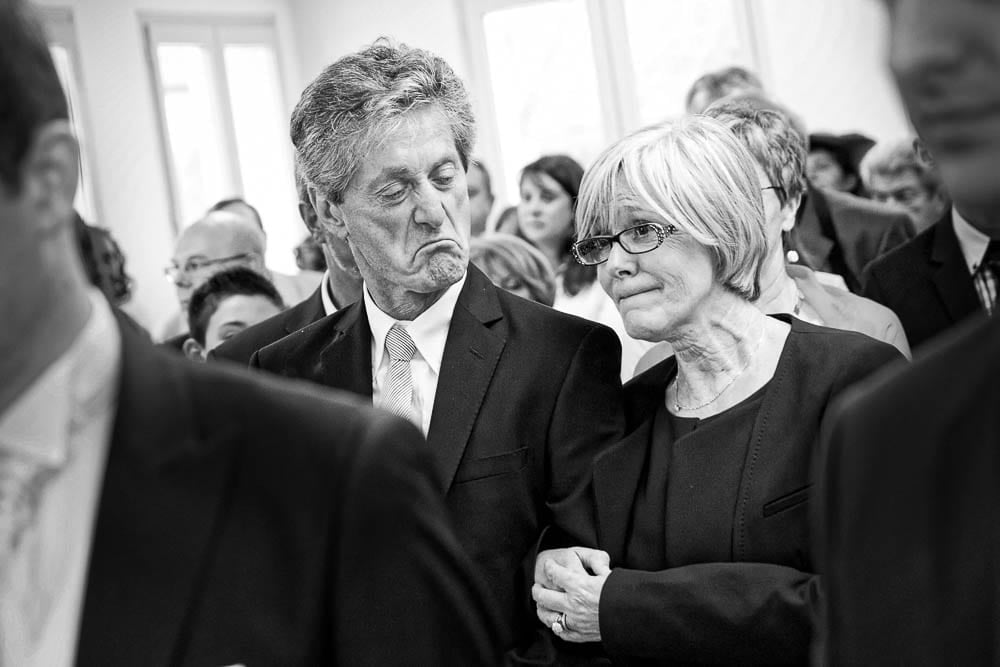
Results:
[779, 152]
[703, 550]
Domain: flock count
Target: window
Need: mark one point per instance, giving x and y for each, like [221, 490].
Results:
[571, 76]
[224, 123]
[65, 55]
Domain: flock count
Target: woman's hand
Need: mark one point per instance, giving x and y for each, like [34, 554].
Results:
[567, 590]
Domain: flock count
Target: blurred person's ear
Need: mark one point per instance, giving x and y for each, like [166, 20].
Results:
[328, 215]
[193, 350]
[49, 176]
[790, 210]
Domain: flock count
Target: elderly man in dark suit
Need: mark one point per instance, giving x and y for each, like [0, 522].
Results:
[515, 398]
[912, 470]
[157, 512]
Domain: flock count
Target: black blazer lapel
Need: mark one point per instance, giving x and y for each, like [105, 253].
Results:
[470, 358]
[951, 275]
[617, 470]
[309, 311]
[153, 535]
[346, 361]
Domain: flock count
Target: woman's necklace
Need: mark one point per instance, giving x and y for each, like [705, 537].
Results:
[677, 385]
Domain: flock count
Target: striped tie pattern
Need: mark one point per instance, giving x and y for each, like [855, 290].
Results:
[397, 395]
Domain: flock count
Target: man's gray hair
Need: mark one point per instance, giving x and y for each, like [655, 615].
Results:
[355, 102]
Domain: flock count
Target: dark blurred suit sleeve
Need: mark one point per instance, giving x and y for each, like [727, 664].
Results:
[410, 592]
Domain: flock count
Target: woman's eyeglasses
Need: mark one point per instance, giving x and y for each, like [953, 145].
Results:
[635, 240]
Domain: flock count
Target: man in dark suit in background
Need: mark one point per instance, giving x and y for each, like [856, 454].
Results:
[840, 233]
[158, 512]
[930, 281]
[911, 486]
[341, 286]
[515, 398]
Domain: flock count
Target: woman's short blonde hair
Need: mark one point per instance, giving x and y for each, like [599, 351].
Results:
[696, 175]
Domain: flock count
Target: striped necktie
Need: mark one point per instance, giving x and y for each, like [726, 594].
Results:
[397, 395]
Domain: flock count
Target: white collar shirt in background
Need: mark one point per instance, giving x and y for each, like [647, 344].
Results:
[429, 332]
[65, 416]
[329, 307]
[974, 244]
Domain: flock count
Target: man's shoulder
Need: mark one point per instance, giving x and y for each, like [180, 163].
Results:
[910, 257]
[949, 376]
[265, 415]
[542, 322]
[241, 347]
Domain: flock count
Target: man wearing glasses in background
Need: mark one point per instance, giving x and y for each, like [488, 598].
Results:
[219, 241]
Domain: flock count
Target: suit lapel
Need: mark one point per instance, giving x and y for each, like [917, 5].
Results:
[154, 530]
[346, 361]
[307, 312]
[470, 358]
[951, 275]
[618, 469]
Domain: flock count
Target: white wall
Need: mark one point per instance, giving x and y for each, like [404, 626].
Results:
[328, 29]
[825, 59]
[132, 191]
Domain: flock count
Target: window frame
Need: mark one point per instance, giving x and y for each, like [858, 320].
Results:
[612, 55]
[60, 30]
[213, 32]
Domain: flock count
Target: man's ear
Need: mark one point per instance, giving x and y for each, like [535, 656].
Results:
[193, 350]
[328, 215]
[51, 173]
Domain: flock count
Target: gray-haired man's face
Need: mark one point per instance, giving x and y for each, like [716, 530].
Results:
[406, 211]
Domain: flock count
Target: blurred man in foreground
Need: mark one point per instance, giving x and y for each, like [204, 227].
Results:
[156, 512]
[912, 469]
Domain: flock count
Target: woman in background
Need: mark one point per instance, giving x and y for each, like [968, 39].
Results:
[515, 265]
[546, 219]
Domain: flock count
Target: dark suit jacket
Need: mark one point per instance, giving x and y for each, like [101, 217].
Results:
[241, 347]
[926, 282]
[910, 498]
[757, 608]
[841, 233]
[525, 398]
[246, 520]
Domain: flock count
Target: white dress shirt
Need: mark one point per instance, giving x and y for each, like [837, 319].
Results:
[429, 332]
[65, 417]
[329, 307]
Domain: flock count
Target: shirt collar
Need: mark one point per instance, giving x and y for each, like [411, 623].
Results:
[429, 330]
[329, 307]
[972, 241]
[75, 386]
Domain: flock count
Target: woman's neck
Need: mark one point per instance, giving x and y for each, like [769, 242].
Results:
[717, 355]
[778, 293]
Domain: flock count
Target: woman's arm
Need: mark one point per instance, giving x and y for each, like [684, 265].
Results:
[711, 612]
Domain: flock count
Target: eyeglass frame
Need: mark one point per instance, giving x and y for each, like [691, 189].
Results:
[662, 232]
[174, 272]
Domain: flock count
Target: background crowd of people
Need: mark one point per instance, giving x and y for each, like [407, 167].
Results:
[662, 411]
